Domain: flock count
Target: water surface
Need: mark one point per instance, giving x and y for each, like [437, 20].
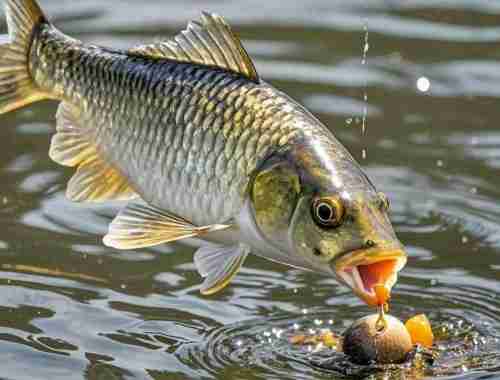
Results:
[72, 309]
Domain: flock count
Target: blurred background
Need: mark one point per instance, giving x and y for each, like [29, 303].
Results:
[421, 76]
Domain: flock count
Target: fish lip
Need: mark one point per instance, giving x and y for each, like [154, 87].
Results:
[346, 268]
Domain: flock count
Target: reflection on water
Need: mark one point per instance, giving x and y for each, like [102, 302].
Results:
[71, 308]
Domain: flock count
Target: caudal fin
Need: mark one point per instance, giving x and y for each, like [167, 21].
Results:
[16, 85]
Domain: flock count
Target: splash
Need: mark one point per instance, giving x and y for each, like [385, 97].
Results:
[314, 340]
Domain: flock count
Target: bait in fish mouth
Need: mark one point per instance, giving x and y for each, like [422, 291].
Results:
[203, 148]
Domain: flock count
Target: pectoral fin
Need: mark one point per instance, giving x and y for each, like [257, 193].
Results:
[141, 225]
[218, 265]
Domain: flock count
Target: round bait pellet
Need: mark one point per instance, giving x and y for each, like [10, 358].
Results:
[364, 343]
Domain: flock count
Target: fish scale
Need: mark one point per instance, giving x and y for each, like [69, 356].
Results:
[204, 184]
[187, 132]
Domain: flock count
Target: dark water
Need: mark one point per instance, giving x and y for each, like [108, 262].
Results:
[73, 309]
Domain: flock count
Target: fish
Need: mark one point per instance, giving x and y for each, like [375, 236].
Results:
[201, 147]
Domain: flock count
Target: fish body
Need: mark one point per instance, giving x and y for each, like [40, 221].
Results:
[187, 137]
[203, 148]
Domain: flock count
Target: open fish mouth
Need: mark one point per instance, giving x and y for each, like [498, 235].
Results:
[362, 270]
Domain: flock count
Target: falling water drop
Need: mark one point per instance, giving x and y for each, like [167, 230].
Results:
[423, 84]
[366, 47]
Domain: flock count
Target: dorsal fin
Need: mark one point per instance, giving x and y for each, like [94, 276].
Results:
[209, 42]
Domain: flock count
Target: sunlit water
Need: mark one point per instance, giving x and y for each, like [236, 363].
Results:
[71, 308]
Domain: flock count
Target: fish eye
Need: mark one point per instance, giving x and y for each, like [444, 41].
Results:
[384, 201]
[328, 211]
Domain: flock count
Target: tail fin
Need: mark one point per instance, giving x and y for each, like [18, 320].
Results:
[16, 84]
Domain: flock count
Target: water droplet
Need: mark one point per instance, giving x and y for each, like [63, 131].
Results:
[366, 45]
[365, 112]
[319, 347]
[439, 163]
[423, 84]
[277, 332]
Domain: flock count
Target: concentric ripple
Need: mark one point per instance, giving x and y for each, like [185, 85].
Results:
[463, 346]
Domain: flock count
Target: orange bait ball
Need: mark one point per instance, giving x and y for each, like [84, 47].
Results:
[383, 294]
[420, 330]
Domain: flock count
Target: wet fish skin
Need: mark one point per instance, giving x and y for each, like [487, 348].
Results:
[168, 125]
[205, 147]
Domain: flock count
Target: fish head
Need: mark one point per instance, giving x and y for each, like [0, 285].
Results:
[317, 205]
[350, 236]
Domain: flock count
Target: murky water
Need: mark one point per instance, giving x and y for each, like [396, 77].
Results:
[71, 308]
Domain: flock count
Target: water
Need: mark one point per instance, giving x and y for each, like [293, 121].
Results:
[73, 309]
